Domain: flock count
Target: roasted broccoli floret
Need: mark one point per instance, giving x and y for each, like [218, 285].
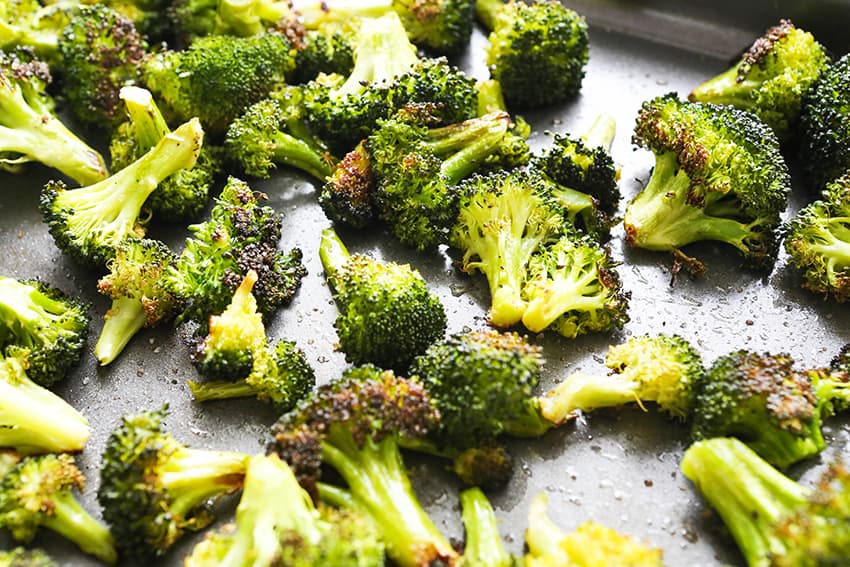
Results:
[153, 489]
[140, 294]
[182, 195]
[218, 77]
[590, 545]
[20, 557]
[772, 78]
[43, 326]
[537, 51]
[90, 222]
[774, 520]
[193, 19]
[832, 384]
[148, 16]
[483, 546]
[348, 195]
[718, 176]
[387, 314]
[818, 242]
[353, 425]
[101, 52]
[329, 49]
[241, 235]
[38, 492]
[30, 130]
[32, 418]
[31, 24]
[277, 524]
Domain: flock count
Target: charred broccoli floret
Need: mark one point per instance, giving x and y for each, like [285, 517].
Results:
[140, 293]
[148, 16]
[774, 520]
[21, 557]
[30, 130]
[43, 326]
[38, 492]
[348, 195]
[718, 175]
[537, 51]
[353, 425]
[483, 546]
[31, 24]
[153, 489]
[90, 222]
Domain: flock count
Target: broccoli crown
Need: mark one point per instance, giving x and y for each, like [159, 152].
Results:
[489, 466]
[772, 78]
[503, 218]
[290, 376]
[719, 175]
[29, 23]
[101, 52]
[774, 520]
[817, 241]
[153, 488]
[442, 26]
[573, 288]
[328, 49]
[478, 381]
[347, 196]
[43, 325]
[21, 557]
[241, 235]
[590, 544]
[38, 492]
[537, 52]
[825, 145]
[763, 400]
[218, 77]
[387, 313]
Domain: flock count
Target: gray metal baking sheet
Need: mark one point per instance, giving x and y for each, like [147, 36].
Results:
[618, 467]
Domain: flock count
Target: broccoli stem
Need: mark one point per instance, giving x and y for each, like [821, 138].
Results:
[221, 390]
[193, 476]
[601, 133]
[297, 153]
[332, 252]
[471, 141]
[577, 291]
[586, 392]
[149, 126]
[125, 318]
[542, 536]
[336, 496]
[726, 89]
[379, 484]
[484, 546]
[490, 97]
[70, 520]
[488, 12]
[749, 494]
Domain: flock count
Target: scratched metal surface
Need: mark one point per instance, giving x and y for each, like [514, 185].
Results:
[617, 467]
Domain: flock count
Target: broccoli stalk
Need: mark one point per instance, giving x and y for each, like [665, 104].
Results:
[37, 492]
[484, 547]
[90, 222]
[774, 520]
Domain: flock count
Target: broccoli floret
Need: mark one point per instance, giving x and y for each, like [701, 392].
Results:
[590, 545]
[241, 235]
[832, 385]
[277, 524]
[20, 557]
[140, 293]
[504, 218]
[38, 492]
[764, 401]
[90, 222]
[32, 418]
[153, 489]
[31, 24]
[774, 520]
[43, 326]
[573, 288]
[182, 195]
[348, 195]
[387, 314]
[718, 176]
[262, 138]
[193, 19]
[818, 242]
[353, 424]
[30, 130]
[218, 77]
[483, 547]
[328, 49]
[537, 51]
[772, 78]
[148, 16]
[101, 52]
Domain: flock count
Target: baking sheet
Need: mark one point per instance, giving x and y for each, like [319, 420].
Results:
[618, 467]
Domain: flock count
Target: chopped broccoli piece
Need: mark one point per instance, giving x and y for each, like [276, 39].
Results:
[43, 326]
[28, 23]
[329, 49]
[387, 314]
[90, 222]
[38, 492]
[537, 51]
[153, 488]
[484, 547]
[774, 520]
[20, 557]
[347, 196]
[718, 175]
[772, 78]
[832, 385]
[140, 293]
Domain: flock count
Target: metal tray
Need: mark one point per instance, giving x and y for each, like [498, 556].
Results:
[619, 467]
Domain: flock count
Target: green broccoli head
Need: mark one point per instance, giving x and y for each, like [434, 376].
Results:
[347, 196]
[44, 326]
[29, 23]
[153, 489]
[387, 313]
[22, 557]
[328, 49]
[718, 175]
[38, 492]
[763, 400]
[772, 78]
